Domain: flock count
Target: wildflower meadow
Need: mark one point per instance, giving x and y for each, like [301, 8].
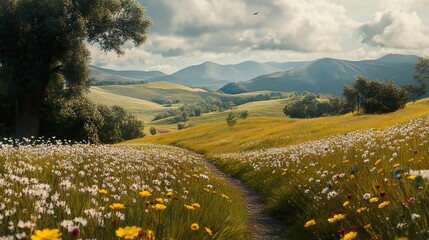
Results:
[369, 184]
[56, 190]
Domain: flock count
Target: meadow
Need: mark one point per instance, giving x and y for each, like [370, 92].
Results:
[258, 132]
[370, 184]
[58, 190]
[341, 177]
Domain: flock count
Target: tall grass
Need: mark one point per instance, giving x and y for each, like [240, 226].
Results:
[74, 188]
[370, 184]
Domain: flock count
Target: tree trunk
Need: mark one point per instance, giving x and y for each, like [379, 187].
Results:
[28, 116]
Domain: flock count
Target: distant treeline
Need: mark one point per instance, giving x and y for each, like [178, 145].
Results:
[213, 104]
[104, 83]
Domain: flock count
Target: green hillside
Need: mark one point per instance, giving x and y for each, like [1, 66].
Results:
[139, 100]
[265, 132]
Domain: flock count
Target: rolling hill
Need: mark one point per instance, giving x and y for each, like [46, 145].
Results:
[103, 75]
[259, 132]
[329, 75]
[141, 100]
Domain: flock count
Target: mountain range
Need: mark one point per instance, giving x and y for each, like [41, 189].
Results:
[329, 75]
[325, 75]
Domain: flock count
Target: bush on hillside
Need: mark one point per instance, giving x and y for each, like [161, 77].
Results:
[244, 114]
[310, 107]
[231, 120]
[152, 131]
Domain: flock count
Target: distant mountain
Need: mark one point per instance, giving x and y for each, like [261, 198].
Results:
[108, 75]
[213, 74]
[329, 75]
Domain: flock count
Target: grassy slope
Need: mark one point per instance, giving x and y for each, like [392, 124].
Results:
[143, 109]
[265, 132]
[137, 100]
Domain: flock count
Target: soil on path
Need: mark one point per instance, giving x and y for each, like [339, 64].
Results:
[261, 224]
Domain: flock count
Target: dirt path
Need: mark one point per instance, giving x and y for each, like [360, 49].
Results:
[261, 224]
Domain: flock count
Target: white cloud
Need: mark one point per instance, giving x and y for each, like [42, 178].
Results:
[225, 25]
[396, 29]
[165, 68]
[134, 57]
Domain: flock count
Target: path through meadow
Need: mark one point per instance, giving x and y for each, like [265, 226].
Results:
[261, 224]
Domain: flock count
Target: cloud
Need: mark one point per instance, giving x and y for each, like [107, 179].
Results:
[165, 68]
[132, 58]
[230, 26]
[395, 29]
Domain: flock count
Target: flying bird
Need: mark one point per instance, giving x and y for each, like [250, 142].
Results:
[256, 13]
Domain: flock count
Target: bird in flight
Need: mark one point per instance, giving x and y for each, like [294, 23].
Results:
[256, 13]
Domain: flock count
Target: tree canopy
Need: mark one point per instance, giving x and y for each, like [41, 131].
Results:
[45, 40]
[374, 96]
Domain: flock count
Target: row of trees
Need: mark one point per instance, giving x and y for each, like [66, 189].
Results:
[367, 96]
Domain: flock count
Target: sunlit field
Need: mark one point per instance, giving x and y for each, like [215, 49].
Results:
[108, 192]
[258, 132]
[370, 184]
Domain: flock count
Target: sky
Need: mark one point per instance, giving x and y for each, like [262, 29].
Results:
[189, 32]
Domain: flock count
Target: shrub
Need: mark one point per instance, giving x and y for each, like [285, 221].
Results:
[152, 131]
[231, 120]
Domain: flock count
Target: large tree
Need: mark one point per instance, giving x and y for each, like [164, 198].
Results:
[41, 40]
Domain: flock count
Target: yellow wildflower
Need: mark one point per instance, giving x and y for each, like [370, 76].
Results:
[377, 162]
[361, 209]
[196, 205]
[346, 161]
[383, 204]
[117, 206]
[150, 234]
[411, 177]
[373, 200]
[159, 200]
[349, 236]
[346, 203]
[396, 165]
[401, 238]
[169, 194]
[336, 217]
[368, 226]
[102, 191]
[128, 232]
[160, 207]
[209, 231]
[145, 193]
[189, 207]
[195, 226]
[46, 234]
[310, 223]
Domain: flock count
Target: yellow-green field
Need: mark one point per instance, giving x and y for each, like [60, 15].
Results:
[137, 99]
[266, 132]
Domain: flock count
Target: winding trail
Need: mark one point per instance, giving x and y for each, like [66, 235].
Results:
[261, 224]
